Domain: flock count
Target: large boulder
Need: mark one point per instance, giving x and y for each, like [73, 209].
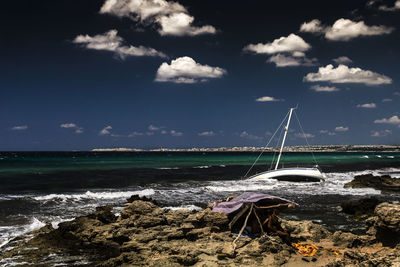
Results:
[387, 223]
[303, 230]
[365, 206]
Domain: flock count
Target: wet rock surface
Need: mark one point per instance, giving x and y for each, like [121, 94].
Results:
[148, 235]
[384, 183]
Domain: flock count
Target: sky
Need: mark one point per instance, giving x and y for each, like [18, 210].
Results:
[78, 75]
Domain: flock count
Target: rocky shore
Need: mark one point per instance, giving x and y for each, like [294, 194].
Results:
[145, 234]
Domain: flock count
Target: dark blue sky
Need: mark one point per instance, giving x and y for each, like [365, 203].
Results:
[65, 75]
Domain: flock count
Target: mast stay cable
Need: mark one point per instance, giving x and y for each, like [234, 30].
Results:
[305, 137]
[265, 147]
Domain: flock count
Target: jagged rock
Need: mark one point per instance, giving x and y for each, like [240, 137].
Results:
[361, 206]
[387, 223]
[303, 230]
[384, 182]
[104, 214]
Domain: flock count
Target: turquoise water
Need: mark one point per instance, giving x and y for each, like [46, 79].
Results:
[44, 162]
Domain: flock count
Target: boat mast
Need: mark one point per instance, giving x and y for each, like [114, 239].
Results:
[284, 138]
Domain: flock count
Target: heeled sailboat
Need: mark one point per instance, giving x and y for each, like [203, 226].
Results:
[297, 174]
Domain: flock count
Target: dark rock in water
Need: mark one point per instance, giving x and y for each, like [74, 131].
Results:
[365, 206]
[144, 198]
[383, 183]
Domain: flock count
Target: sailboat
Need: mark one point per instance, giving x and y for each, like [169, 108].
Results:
[302, 174]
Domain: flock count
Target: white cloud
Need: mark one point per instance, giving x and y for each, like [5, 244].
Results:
[396, 93]
[207, 133]
[344, 29]
[367, 105]
[175, 133]
[186, 70]
[153, 128]
[290, 43]
[304, 135]
[392, 120]
[313, 26]
[133, 134]
[268, 99]
[164, 132]
[110, 41]
[341, 129]
[387, 100]
[319, 88]
[105, 130]
[246, 135]
[78, 129]
[327, 132]
[381, 133]
[344, 74]
[342, 60]
[19, 128]
[297, 59]
[68, 125]
[171, 17]
[393, 8]
[179, 24]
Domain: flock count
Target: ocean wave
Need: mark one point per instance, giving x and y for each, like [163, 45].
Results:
[13, 232]
[95, 195]
[168, 168]
[202, 167]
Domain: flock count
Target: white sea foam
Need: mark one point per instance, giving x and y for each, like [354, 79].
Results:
[184, 207]
[168, 168]
[202, 167]
[12, 232]
[95, 195]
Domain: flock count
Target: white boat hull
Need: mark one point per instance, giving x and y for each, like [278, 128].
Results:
[291, 174]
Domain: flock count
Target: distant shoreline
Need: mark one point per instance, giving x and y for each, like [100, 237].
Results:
[322, 148]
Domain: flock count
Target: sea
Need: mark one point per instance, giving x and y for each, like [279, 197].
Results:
[39, 188]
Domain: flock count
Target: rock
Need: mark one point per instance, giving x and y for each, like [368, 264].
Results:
[140, 207]
[346, 239]
[104, 214]
[387, 223]
[383, 183]
[361, 206]
[304, 230]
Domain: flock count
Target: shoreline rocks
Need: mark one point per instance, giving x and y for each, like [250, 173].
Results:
[384, 183]
[148, 235]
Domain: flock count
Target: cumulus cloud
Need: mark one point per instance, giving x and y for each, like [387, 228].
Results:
[387, 100]
[206, 133]
[367, 105]
[395, 7]
[171, 17]
[344, 29]
[341, 129]
[396, 93]
[381, 133]
[105, 130]
[282, 60]
[186, 70]
[19, 128]
[164, 132]
[246, 135]
[268, 99]
[314, 26]
[290, 43]
[319, 88]
[78, 129]
[110, 41]
[175, 133]
[342, 60]
[392, 120]
[344, 74]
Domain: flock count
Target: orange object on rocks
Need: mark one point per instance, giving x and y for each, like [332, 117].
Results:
[304, 249]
